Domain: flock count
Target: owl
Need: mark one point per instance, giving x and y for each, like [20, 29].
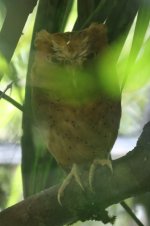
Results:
[77, 119]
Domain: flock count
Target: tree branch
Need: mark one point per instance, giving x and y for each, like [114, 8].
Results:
[131, 176]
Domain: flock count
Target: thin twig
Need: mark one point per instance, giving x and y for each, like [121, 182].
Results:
[130, 212]
[9, 86]
[11, 100]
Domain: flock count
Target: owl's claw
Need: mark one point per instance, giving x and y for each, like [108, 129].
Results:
[96, 162]
[74, 173]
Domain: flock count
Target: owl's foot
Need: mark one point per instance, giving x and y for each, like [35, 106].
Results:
[74, 173]
[96, 162]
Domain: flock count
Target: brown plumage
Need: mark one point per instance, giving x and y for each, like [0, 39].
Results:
[77, 119]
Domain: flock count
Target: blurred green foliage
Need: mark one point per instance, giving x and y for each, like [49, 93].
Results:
[15, 72]
[15, 187]
[6, 173]
[68, 84]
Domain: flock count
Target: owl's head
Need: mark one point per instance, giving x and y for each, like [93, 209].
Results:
[72, 48]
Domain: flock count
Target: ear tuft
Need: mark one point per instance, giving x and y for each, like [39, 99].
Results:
[97, 36]
[42, 38]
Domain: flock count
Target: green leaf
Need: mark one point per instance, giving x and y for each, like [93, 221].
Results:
[141, 27]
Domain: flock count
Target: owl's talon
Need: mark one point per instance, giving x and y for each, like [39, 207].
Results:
[74, 173]
[96, 162]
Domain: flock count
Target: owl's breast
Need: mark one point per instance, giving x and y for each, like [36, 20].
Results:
[77, 134]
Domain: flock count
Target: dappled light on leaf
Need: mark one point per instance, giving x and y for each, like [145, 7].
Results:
[132, 66]
[135, 64]
[137, 72]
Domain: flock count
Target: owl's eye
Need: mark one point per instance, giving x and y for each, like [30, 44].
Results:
[48, 57]
[92, 55]
[55, 60]
[60, 61]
